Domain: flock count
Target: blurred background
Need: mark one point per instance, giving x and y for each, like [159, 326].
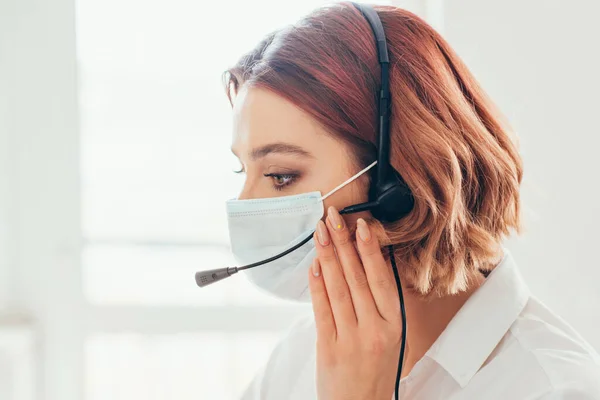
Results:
[115, 165]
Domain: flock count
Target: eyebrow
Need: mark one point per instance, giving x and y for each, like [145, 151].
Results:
[281, 148]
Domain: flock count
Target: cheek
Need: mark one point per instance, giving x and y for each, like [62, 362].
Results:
[353, 193]
[335, 165]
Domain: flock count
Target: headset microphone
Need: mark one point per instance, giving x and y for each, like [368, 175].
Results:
[205, 278]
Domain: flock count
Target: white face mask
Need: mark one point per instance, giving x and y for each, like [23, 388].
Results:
[262, 228]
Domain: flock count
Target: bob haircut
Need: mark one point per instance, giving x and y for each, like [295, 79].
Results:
[448, 141]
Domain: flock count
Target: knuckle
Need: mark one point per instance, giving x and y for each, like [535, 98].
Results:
[358, 280]
[378, 344]
[382, 340]
[340, 293]
[369, 251]
[327, 256]
[321, 315]
[342, 239]
[316, 289]
[383, 282]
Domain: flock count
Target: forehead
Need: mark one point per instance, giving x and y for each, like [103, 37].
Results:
[261, 117]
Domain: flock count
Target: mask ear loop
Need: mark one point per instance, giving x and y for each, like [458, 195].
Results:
[341, 185]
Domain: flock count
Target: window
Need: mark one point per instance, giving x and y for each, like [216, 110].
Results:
[156, 171]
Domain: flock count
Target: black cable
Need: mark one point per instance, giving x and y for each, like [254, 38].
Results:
[403, 314]
[277, 256]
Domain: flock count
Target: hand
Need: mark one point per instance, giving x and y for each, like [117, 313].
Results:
[357, 314]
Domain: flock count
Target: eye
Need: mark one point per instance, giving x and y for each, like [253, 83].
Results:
[281, 180]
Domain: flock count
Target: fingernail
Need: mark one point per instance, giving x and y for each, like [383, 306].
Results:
[316, 267]
[335, 219]
[363, 230]
[322, 234]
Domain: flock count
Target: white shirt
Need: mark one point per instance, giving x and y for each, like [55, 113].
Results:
[503, 344]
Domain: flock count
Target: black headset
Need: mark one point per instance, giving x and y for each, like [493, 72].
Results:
[389, 197]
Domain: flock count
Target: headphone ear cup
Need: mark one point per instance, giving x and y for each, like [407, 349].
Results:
[393, 200]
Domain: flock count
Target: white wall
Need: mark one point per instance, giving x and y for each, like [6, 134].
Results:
[540, 60]
[4, 163]
[39, 185]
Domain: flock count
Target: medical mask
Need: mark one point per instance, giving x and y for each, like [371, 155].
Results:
[262, 228]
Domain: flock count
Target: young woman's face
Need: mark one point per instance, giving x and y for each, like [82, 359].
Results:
[284, 151]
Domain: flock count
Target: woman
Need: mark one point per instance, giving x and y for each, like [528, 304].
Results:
[305, 110]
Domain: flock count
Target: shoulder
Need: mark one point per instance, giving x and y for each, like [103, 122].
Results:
[567, 365]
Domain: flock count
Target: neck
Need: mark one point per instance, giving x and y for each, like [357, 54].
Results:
[426, 320]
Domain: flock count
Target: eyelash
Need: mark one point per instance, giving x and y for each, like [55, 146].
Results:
[291, 177]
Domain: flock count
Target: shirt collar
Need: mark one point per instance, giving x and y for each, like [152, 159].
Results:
[481, 323]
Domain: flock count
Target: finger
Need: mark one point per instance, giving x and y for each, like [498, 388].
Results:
[352, 266]
[380, 276]
[335, 283]
[320, 302]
